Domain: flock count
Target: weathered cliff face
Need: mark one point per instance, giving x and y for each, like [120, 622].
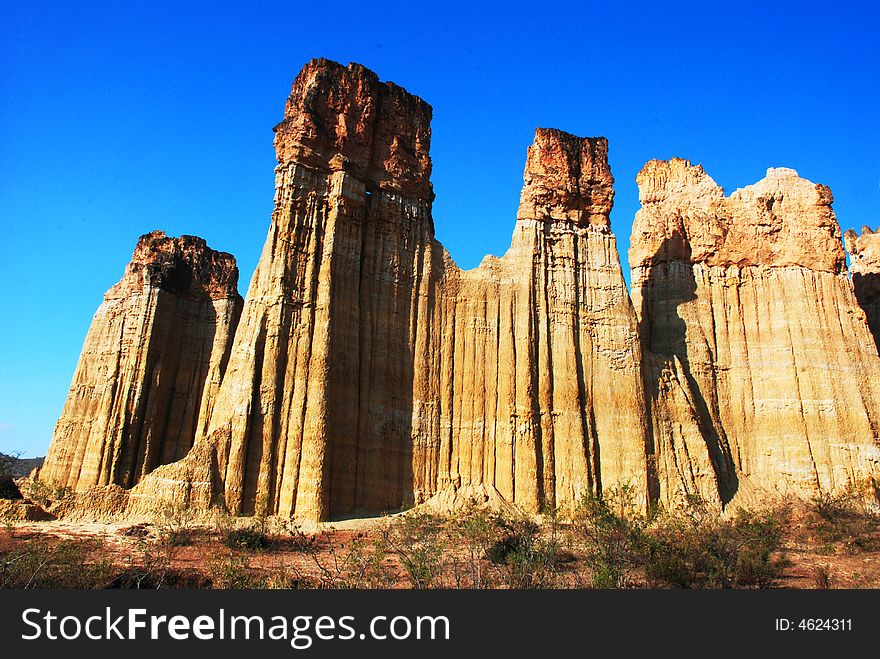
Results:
[318, 389]
[540, 395]
[369, 372]
[760, 370]
[864, 251]
[150, 367]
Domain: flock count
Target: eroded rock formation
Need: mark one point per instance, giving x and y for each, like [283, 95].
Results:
[150, 366]
[760, 370]
[864, 251]
[370, 372]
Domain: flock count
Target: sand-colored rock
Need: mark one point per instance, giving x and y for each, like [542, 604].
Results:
[150, 367]
[20, 511]
[864, 251]
[761, 373]
[370, 372]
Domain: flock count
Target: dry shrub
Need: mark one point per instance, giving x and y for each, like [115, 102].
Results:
[848, 518]
[40, 563]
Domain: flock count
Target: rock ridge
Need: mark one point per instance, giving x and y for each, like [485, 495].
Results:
[783, 220]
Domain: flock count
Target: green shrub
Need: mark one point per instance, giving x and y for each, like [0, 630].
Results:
[417, 538]
[610, 530]
[477, 531]
[699, 549]
[364, 565]
[251, 538]
[45, 495]
[525, 558]
[519, 537]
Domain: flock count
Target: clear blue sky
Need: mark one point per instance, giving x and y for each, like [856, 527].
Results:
[120, 118]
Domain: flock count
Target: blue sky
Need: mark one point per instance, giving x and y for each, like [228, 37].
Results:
[120, 118]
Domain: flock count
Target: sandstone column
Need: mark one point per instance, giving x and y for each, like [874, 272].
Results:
[761, 373]
[150, 367]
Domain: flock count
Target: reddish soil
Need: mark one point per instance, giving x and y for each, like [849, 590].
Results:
[813, 560]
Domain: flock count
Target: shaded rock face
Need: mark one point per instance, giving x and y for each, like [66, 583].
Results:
[760, 371]
[864, 251]
[8, 488]
[370, 372]
[150, 366]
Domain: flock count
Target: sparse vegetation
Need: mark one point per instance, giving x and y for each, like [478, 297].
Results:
[611, 533]
[478, 532]
[176, 527]
[527, 559]
[605, 542]
[847, 521]
[232, 570]
[696, 548]
[251, 538]
[39, 563]
[45, 495]
[261, 533]
[418, 541]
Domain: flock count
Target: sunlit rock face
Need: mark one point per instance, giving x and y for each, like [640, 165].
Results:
[370, 372]
[150, 367]
[761, 372]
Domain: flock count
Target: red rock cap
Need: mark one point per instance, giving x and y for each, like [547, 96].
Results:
[343, 117]
[184, 266]
[567, 178]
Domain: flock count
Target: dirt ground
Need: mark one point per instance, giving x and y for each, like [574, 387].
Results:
[317, 558]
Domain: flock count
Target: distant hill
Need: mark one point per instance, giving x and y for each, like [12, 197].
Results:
[17, 467]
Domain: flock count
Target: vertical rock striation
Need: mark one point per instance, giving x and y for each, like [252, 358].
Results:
[150, 367]
[315, 410]
[370, 372]
[540, 394]
[760, 370]
[864, 251]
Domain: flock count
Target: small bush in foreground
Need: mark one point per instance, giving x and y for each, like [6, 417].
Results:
[847, 518]
[526, 558]
[233, 571]
[610, 530]
[175, 527]
[698, 549]
[418, 540]
[252, 538]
